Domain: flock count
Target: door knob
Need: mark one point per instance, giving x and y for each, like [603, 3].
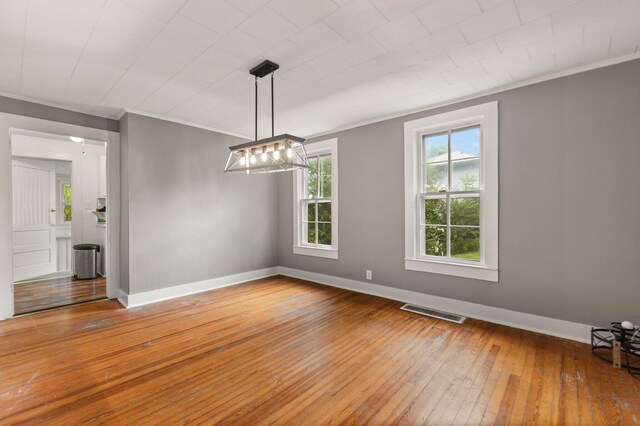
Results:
[53, 210]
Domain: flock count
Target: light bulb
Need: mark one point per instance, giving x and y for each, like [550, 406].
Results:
[276, 155]
[263, 157]
[253, 159]
[242, 161]
[76, 139]
[248, 171]
[289, 152]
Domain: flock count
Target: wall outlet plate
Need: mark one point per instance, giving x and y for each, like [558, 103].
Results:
[368, 273]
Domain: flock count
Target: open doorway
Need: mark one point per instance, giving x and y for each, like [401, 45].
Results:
[59, 210]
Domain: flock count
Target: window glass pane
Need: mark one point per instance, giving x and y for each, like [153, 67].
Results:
[311, 211]
[465, 243]
[436, 240]
[436, 147]
[312, 178]
[324, 212]
[436, 179]
[311, 233]
[465, 142]
[465, 175]
[325, 173]
[66, 212]
[465, 211]
[435, 211]
[324, 233]
[66, 192]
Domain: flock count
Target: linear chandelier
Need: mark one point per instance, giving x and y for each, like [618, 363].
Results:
[275, 154]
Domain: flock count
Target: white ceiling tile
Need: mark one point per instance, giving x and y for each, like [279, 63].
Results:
[287, 54]
[325, 65]
[318, 39]
[355, 19]
[534, 9]
[433, 82]
[205, 70]
[399, 33]
[216, 15]
[456, 91]
[463, 74]
[177, 52]
[394, 9]
[112, 46]
[269, 27]
[91, 82]
[576, 56]
[303, 13]
[504, 61]
[438, 14]
[163, 10]
[491, 81]
[534, 68]
[523, 35]
[301, 76]
[190, 33]
[360, 50]
[399, 59]
[435, 66]
[197, 105]
[12, 23]
[574, 17]
[625, 42]
[157, 65]
[440, 43]
[554, 45]
[247, 6]
[622, 19]
[490, 4]
[489, 23]
[130, 20]
[171, 94]
[475, 52]
[41, 87]
[242, 45]
[133, 87]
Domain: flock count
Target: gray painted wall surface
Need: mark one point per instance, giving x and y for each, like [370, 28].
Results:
[569, 204]
[124, 203]
[188, 220]
[45, 112]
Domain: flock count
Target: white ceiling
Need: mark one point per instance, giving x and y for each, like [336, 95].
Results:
[342, 61]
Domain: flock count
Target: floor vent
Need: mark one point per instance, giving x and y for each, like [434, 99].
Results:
[458, 319]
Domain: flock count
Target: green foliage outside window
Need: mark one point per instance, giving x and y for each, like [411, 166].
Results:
[319, 212]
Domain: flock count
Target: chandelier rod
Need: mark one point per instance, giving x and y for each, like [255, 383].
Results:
[272, 110]
[256, 110]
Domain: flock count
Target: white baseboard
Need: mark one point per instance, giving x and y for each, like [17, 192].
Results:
[139, 299]
[553, 327]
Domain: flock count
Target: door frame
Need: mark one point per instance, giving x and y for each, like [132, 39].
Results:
[16, 124]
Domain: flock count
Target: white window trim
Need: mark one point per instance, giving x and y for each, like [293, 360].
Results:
[487, 116]
[329, 146]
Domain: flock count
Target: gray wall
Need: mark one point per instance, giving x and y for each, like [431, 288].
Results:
[569, 204]
[187, 220]
[32, 109]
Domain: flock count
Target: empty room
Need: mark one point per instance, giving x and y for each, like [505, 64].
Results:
[309, 212]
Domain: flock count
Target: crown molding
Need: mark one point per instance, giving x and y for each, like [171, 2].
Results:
[184, 122]
[56, 105]
[501, 89]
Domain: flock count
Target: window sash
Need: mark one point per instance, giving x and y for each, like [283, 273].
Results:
[307, 200]
[446, 195]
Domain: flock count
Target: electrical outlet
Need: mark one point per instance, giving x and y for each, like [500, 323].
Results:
[368, 274]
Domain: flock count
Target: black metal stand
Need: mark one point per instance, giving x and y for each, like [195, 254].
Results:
[603, 341]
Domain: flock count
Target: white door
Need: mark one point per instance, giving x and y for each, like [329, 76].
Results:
[34, 218]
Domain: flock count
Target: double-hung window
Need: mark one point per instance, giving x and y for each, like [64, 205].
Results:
[451, 195]
[316, 202]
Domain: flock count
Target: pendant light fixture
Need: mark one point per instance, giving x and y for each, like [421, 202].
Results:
[275, 154]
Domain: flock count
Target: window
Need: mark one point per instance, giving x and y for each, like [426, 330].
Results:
[64, 200]
[451, 194]
[316, 202]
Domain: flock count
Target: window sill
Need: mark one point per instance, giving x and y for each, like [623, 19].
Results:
[454, 269]
[327, 253]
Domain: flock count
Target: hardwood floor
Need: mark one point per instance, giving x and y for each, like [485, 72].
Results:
[285, 351]
[31, 296]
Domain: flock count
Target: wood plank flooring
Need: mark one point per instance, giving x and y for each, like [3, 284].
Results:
[31, 296]
[285, 351]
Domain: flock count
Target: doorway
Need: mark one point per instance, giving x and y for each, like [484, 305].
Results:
[59, 202]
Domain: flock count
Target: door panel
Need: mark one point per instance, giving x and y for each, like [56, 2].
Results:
[34, 245]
